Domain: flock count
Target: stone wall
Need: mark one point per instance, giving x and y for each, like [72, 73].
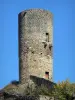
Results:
[35, 44]
[41, 81]
[43, 97]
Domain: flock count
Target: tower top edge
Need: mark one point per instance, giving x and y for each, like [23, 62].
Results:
[35, 9]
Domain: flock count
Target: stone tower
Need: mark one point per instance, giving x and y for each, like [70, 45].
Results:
[35, 44]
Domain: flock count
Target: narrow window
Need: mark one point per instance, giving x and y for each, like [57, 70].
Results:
[47, 37]
[47, 75]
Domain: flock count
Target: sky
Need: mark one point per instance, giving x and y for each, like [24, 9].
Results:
[63, 37]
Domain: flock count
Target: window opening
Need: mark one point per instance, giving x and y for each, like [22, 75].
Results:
[47, 75]
[47, 37]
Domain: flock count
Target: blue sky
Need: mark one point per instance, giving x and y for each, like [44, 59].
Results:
[63, 35]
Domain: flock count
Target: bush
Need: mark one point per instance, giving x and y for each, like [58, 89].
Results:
[62, 91]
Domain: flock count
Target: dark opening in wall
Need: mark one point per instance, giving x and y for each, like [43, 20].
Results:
[45, 45]
[50, 47]
[33, 52]
[47, 75]
[41, 53]
[47, 33]
[47, 37]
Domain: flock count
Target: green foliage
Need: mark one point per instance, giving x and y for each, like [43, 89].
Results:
[62, 91]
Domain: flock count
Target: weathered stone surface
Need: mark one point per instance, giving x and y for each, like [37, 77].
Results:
[35, 44]
[43, 97]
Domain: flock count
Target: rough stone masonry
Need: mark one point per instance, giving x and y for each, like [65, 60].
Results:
[35, 44]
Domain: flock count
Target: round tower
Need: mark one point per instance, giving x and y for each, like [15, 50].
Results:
[35, 44]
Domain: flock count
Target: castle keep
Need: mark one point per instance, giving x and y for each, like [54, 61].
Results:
[35, 44]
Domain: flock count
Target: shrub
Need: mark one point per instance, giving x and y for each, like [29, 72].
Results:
[64, 90]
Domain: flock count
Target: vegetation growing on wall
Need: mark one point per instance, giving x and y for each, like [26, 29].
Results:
[62, 90]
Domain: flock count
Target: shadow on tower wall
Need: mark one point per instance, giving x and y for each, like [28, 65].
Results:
[41, 81]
